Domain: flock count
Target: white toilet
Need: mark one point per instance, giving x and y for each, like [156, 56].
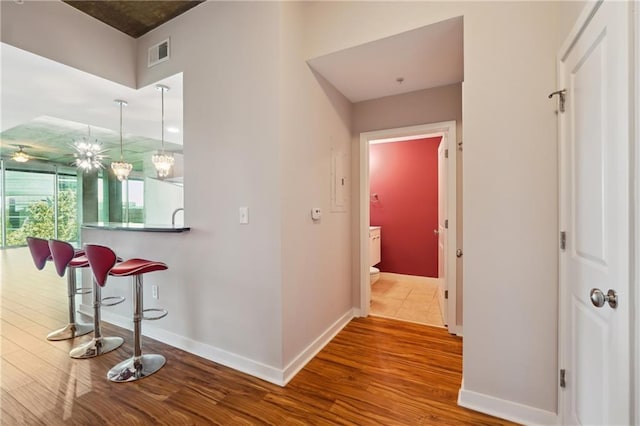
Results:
[374, 253]
[375, 274]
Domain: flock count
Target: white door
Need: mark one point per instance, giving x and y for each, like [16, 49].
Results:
[442, 229]
[594, 204]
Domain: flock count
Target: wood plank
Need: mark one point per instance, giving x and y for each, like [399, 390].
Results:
[375, 371]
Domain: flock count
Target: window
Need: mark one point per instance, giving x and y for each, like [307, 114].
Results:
[29, 206]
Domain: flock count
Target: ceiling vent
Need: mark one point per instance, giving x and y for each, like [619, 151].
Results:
[159, 53]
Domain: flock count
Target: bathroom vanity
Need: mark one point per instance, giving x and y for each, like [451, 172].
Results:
[374, 245]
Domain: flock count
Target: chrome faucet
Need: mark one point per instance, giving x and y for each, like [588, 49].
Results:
[173, 215]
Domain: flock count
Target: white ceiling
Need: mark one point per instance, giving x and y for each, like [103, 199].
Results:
[426, 57]
[33, 86]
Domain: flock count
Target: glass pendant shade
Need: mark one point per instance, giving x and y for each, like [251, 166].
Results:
[121, 168]
[162, 161]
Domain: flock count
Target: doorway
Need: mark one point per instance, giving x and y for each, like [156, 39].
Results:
[405, 204]
[447, 285]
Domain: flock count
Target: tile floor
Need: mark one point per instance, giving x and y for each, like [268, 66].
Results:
[407, 298]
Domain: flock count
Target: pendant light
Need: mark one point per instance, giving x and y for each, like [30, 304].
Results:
[161, 160]
[89, 154]
[121, 168]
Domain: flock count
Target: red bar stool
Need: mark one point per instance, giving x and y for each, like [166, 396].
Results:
[66, 259]
[99, 344]
[103, 263]
[40, 252]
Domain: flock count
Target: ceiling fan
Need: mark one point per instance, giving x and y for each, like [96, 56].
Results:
[20, 156]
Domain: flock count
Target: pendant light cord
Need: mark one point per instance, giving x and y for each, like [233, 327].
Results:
[121, 154]
[163, 89]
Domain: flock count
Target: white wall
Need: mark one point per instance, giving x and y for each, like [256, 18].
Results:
[316, 256]
[229, 53]
[59, 32]
[408, 109]
[510, 195]
[270, 149]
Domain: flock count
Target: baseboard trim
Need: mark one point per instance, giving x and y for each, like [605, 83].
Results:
[228, 359]
[237, 362]
[504, 409]
[316, 346]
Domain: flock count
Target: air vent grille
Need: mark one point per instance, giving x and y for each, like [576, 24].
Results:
[159, 53]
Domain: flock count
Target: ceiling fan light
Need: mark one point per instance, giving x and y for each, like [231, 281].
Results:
[20, 156]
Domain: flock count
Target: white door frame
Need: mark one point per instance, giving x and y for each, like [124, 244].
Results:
[447, 128]
[635, 188]
[634, 162]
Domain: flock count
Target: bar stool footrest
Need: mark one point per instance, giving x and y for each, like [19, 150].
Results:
[136, 368]
[84, 290]
[163, 313]
[112, 300]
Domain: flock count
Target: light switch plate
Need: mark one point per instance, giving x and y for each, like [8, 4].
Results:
[244, 215]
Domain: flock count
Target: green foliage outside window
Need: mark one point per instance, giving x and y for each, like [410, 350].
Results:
[40, 220]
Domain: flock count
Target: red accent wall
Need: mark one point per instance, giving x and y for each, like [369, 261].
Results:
[404, 175]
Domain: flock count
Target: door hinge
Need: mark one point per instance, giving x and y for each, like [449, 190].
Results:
[446, 224]
[563, 240]
[563, 381]
[446, 294]
[446, 153]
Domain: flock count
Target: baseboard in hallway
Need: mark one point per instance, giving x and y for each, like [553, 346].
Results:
[407, 298]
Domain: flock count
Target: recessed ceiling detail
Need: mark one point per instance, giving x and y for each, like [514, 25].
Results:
[427, 57]
[51, 140]
[135, 18]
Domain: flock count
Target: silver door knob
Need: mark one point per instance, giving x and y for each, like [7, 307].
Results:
[598, 298]
[436, 232]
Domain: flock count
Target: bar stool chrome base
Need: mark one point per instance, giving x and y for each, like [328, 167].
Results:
[136, 368]
[96, 347]
[70, 331]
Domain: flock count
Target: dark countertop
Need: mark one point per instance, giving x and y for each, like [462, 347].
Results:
[139, 227]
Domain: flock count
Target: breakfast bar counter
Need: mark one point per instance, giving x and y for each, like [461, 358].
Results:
[139, 227]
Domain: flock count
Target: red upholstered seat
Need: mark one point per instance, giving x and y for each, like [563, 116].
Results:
[103, 262]
[135, 267]
[79, 262]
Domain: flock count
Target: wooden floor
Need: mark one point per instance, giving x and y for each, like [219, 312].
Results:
[376, 371]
